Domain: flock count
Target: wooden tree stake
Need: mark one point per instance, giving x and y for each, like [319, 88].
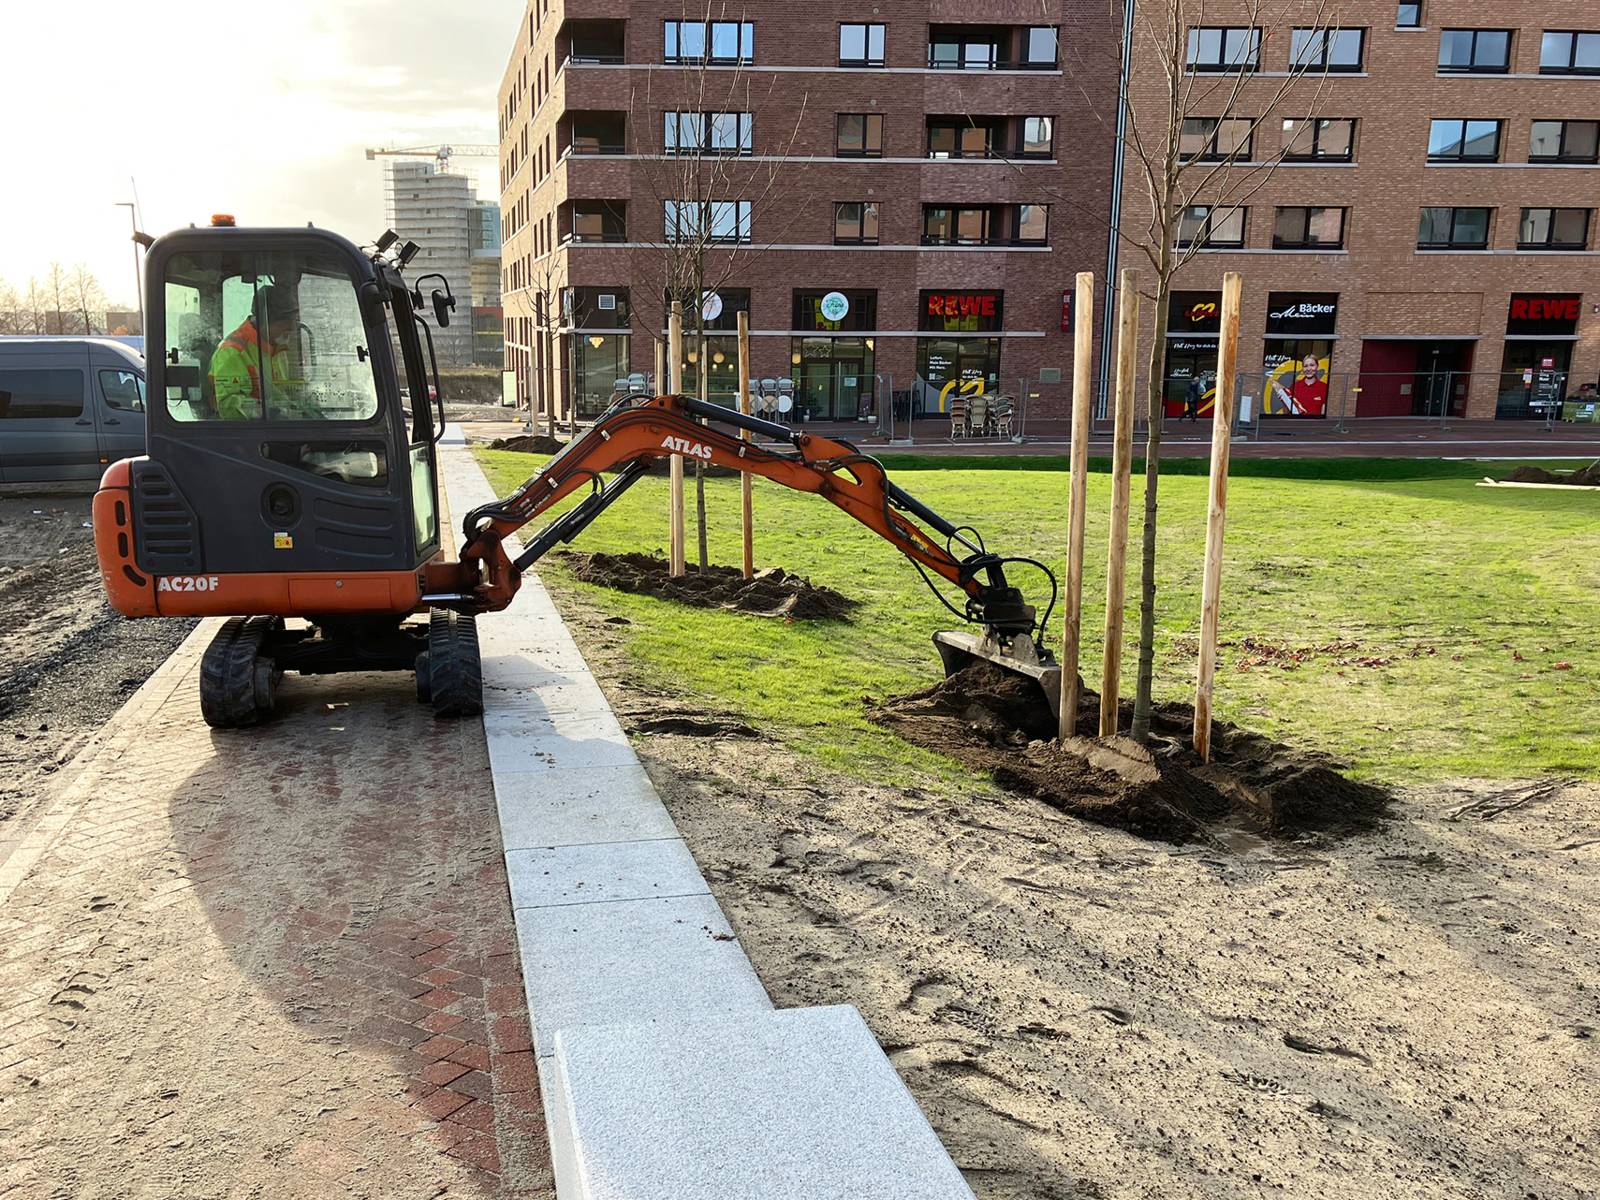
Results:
[744, 434]
[1222, 410]
[1077, 492]
[675, 531]
[1121, 469]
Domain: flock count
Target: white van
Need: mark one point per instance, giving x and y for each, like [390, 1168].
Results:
[68, 407]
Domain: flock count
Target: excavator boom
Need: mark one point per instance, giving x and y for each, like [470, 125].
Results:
[629, 436]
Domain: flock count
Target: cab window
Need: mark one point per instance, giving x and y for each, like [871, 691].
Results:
[265, 336]
[123, 390]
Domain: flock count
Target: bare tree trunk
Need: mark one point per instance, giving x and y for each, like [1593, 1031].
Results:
[1155, 388]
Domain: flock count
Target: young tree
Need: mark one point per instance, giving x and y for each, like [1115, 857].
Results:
[713, 180]
[88, 297]
[1191, 143]
[1190, 149]
[33, 309]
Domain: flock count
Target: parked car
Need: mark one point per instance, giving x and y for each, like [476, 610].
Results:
[68, 407]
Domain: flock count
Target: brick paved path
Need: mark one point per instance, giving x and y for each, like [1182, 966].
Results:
[269, 963]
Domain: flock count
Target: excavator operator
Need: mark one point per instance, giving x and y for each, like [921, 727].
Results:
[270, 332]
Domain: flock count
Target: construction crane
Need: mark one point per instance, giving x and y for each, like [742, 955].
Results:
[441, 155]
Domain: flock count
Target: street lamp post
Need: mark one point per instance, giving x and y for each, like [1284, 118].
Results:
[138, 286]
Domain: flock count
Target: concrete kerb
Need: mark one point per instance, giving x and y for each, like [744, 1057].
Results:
[636, 984]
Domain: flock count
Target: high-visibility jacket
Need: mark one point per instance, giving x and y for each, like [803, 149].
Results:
[236, 374]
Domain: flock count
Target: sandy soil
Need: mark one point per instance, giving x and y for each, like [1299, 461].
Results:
[67, 661]
[1410, 1012]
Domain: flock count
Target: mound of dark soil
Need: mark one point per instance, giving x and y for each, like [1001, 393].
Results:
[771, 593]
[999, 722]
[1583, 477]
[529, 443]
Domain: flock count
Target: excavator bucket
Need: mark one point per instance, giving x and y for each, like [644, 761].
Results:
[1018, 654]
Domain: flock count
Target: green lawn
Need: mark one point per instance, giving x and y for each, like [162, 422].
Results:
[1425, 616]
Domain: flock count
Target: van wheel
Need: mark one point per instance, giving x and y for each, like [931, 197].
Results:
[454, 674]
[238, 683]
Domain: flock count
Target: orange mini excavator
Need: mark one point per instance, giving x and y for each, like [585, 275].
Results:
[290, 475]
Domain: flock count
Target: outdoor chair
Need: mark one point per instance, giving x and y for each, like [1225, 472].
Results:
[958, 415]
[978, 416]
[1001, 415]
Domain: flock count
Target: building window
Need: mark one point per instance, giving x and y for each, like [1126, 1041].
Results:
[1464, 141]
[599, 221]
[1453, 229]
[1300, 228]
[860, 45]
[1326, 49]
[1214, 139]
[1569, 53]
[1409, 16]
[943, 226]
[959, 137]
[1039, 52]
[1475, 51]
[1032, 223]
[1565, 142]
[855, 223]
[859, 135]
[728, 41]
[1038, 137]
[1224, 48]
[1320, 139]
[954, 48]
[706, 133]
[1554, 229]
[1213, 228]
[716, 221]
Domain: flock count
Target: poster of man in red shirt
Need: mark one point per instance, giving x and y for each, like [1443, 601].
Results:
[1302, 394]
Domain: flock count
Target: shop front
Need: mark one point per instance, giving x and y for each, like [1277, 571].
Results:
[1194, 321]
[1540, 331]
[597, 345]
[953, 355]
[833, 354]
[1297, 353]
[719, 357]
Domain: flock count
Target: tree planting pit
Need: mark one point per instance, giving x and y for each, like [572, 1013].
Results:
[772, 592]
[998, 722]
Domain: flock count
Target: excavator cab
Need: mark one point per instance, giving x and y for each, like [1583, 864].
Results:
[288, 472]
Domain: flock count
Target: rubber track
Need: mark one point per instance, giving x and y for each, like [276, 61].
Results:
[227, 674]
[455, 673]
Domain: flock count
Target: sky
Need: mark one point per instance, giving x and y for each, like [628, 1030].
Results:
[260, 110]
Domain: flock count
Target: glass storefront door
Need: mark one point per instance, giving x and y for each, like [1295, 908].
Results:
[1533, 378]
[833, 379]
[947, 365]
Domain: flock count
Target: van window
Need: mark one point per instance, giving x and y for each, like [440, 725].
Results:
[123, 389]
[52, 393]
[269, 335]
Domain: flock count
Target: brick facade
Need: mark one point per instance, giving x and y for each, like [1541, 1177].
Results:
[794, 88]
[1396, 303]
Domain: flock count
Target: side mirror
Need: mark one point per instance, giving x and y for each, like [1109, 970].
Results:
[442, 305]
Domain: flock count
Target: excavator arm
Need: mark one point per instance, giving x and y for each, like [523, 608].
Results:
[631, 434]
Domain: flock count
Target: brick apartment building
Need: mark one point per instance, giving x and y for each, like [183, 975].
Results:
[945, 168]
[901, 229]
[1430, 238]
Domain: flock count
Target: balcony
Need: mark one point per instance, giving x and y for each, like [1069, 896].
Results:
[984, 225]
[992, 48]
[585, 222]
[591, 133]
[589, 43]
[990, 137]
